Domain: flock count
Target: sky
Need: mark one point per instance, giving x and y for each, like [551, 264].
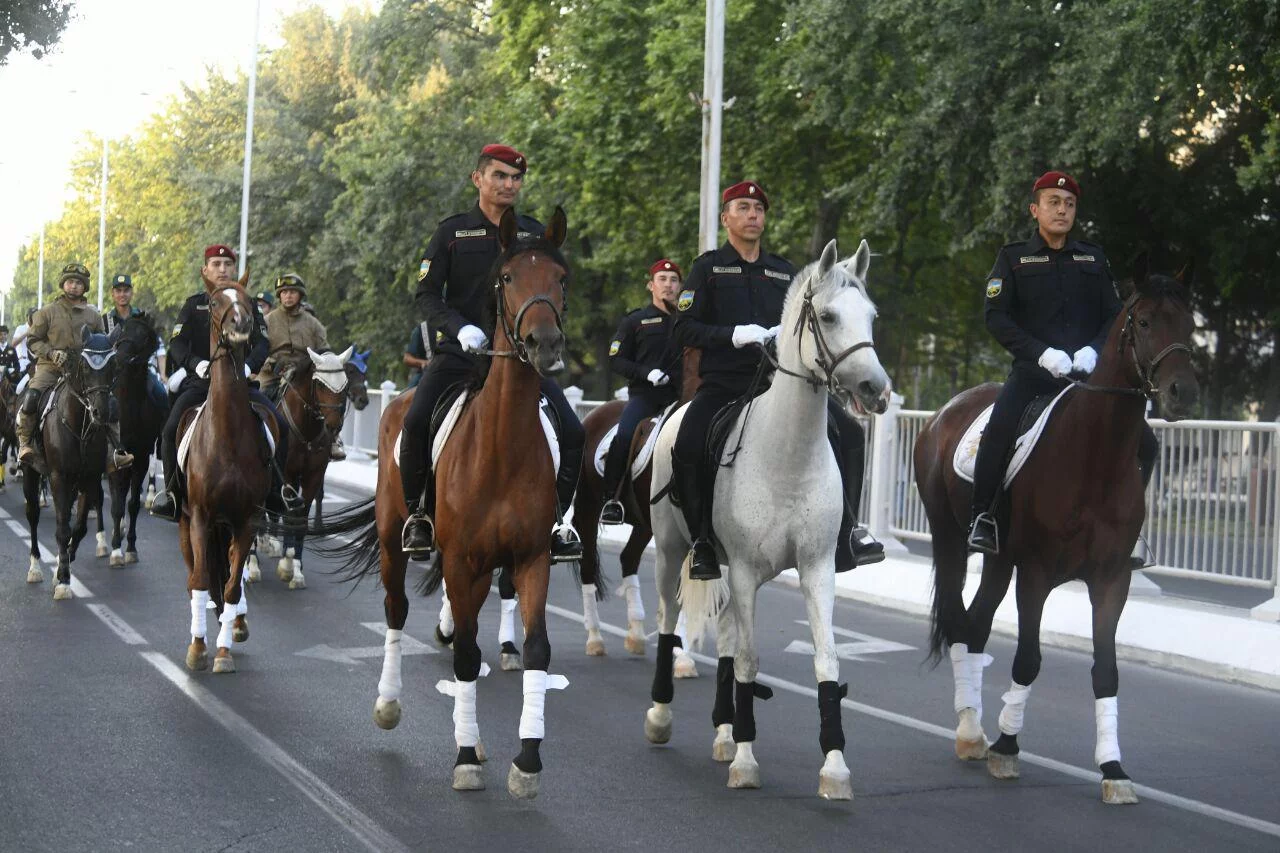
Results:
[116, 64]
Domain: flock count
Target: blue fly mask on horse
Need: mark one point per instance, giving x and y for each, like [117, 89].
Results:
[89, 380]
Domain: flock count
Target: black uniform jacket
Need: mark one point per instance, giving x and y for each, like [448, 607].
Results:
[453, 286]
[1040, 298]
[644, 343]
[189, 343]
[723, 291]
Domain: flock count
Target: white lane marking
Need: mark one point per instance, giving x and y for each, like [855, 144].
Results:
[343, 812]
[351, 656]
[3, 513]
[1185, 803]
[118, 625]
[866, 645]
[78, 589]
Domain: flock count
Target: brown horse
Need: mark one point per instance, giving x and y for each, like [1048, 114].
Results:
[634, 495]
[495, 488]
[1076, 521]
[228, 476]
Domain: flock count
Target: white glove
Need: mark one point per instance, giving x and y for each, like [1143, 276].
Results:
[58, 357]
[202, 370]
[1057, 362]
[247, 374]
[657, 378]
[749, 334]
[774, 331]
[1084, 361]
[471, 339]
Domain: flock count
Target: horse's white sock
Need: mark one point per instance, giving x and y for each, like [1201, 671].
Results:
[446, 612]
[1015, 704]
[389, 684]
[227, 618]
[1106, 714]
[590, 613]
[635, 604]
[242, 606]
[966, 669]
[199, 607]
[682, 632]
[536, 685]
[507, 627]
[466, 731]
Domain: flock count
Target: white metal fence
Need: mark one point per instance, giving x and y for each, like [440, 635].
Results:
[1213, 504]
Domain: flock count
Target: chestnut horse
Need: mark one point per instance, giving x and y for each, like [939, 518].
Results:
[1067, 522]
[495, 488]
[228, 475]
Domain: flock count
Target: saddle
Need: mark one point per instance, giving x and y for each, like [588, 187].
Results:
[644, 455]
[713, 451]
[1030, 427]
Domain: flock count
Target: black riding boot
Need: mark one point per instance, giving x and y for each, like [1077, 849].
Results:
[984, 531]
[855, 546]
[614, 463]
[566, 545]
[697, 515]
[167, 503]
[418, 538]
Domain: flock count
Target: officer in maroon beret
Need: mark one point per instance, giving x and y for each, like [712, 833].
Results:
[1050, 301]
[731, 307]
[645, 353]
[455, 297]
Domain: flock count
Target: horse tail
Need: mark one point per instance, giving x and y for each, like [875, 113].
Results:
[350, 535]
[947, 614]
[701, 601]
[432, 577]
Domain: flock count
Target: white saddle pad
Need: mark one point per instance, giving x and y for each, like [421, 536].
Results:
[451, 420]
[184, 446]
[966, 455]
[645, 454]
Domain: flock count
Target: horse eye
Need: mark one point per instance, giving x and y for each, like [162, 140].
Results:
[506, 278]
[827, 317]
[1143, 323]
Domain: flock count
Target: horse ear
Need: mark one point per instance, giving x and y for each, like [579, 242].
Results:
[827, 262]
[244, 279]
[558, 229]
[315, 356]
[858, 265]
[345, 355]
[507, 229]
[1187, 274]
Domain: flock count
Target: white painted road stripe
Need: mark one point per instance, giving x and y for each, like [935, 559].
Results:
[360, 825]
[1184, 803]
[121, 628]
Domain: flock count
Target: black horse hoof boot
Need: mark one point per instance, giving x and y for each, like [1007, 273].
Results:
[706, 565]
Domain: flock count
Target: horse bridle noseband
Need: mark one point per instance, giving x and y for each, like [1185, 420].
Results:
[1146, 375]
[512, 330]
[827, 360]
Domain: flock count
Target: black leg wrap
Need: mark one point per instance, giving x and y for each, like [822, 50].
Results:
[744, 711]
[466, 755]
[831, 730]
[529, 760]
[722, 711]
[1006, 744]
[664, 686]
[1111, 770]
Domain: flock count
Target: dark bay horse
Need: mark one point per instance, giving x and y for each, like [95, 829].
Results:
[495, 487]
[358, 396]
[227, 478]
[10, 376]
[1076, 521]
[590, 499]
[74, 438]
[143, 409]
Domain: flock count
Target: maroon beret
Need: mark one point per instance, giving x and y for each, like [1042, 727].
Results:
[1057, 181]
[665, 265]
[746, 189]
[217, 250]
[506, 154]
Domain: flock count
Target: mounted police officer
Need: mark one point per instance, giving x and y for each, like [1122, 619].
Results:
[731, 307]
[54, 336]
[1051, 302]
[644, 351]
[290, 331]
[122, 299]
[265, 301]
[456, 297]
[189, 350]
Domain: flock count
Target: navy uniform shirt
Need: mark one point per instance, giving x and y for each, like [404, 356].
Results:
[454, 289]
[189, 343]
[1040, 298]
[723, 291]
[644, 343]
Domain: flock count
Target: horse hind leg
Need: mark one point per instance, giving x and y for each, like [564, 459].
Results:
[723, 748]
[394, 564]
[1032, 590]
[445, 628]
[30, 491]
[509, 657]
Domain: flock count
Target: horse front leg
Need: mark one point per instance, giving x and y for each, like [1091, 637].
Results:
[1031, 590]
[235, 610]
[744, 772]
[632, 552]
[968, 653]
[818, 584]
[531, 578]
[137, 474]
[63, 495]
[393, 564]
[668, 558]
[190, 528]
[97, 497]
[470, 586]
[82, 502]
[1108, 596]
[589, 571]
[31, 501]
[723, 748]
[119, 494]
[293, 548]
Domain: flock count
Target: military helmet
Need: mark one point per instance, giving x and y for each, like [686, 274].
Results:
[291, 281]
[74, 272]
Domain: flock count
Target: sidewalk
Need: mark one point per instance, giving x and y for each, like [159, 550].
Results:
[1204, 639]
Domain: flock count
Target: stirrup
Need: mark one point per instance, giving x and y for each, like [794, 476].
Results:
[866, 549]
[566, 544]
[984, 534]
[165, 505]
[613, 512]
[418, 536]
[700, 552]
[120, 459]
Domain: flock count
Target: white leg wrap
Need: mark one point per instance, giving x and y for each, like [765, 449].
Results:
[590, 613]
[466, 731]
[389, 684]
[966, 668]
[1015, 704]
[1106, 714]
[227, 618]
[536, 685]
[199, 606]
[446, 612]
[507, 627]
[635, 604]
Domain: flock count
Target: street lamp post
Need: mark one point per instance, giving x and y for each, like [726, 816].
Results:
[712, 113]
[40, 271]
[248, 141]
[102, 223]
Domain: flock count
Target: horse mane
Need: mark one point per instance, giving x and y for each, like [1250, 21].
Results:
[1159, 286]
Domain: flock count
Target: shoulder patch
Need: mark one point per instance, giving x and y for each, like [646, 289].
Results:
[424, 269]
[781, 276]
[685, 300]
[1034, 259]
[614, 347]
[176, 329]
[994, 286]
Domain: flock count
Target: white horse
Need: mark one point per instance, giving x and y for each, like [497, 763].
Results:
[778, 505]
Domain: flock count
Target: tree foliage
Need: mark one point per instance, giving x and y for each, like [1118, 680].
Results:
[34, 25]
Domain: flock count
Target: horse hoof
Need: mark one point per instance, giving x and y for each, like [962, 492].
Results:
[684, 666]
[298, 582]
[481, 755]
[971, 750]
[723, 748]
[197, 656]
[223, 662]
[523, 786]
[1002, 766]
[62, 592]
[130, 557]
[386, 713]
[1119, 792]
[657, 723]
[34, 575]
[468, 777]
[835, 785]
[284, 570]
[240, 629]
[117, 559]
[442, 638]
[971, 741]
[634, 641]
[511, 663]
[744, 774]
[102, 548]
[595, 645]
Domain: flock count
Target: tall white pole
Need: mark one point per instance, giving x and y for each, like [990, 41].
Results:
[712, 112]
[102, 223]
[248, 140]
[40, 271]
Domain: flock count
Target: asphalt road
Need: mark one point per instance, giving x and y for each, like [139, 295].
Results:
[107, 743]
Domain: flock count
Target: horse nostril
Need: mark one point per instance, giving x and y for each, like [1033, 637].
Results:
[1173, 390]
[866, 389]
